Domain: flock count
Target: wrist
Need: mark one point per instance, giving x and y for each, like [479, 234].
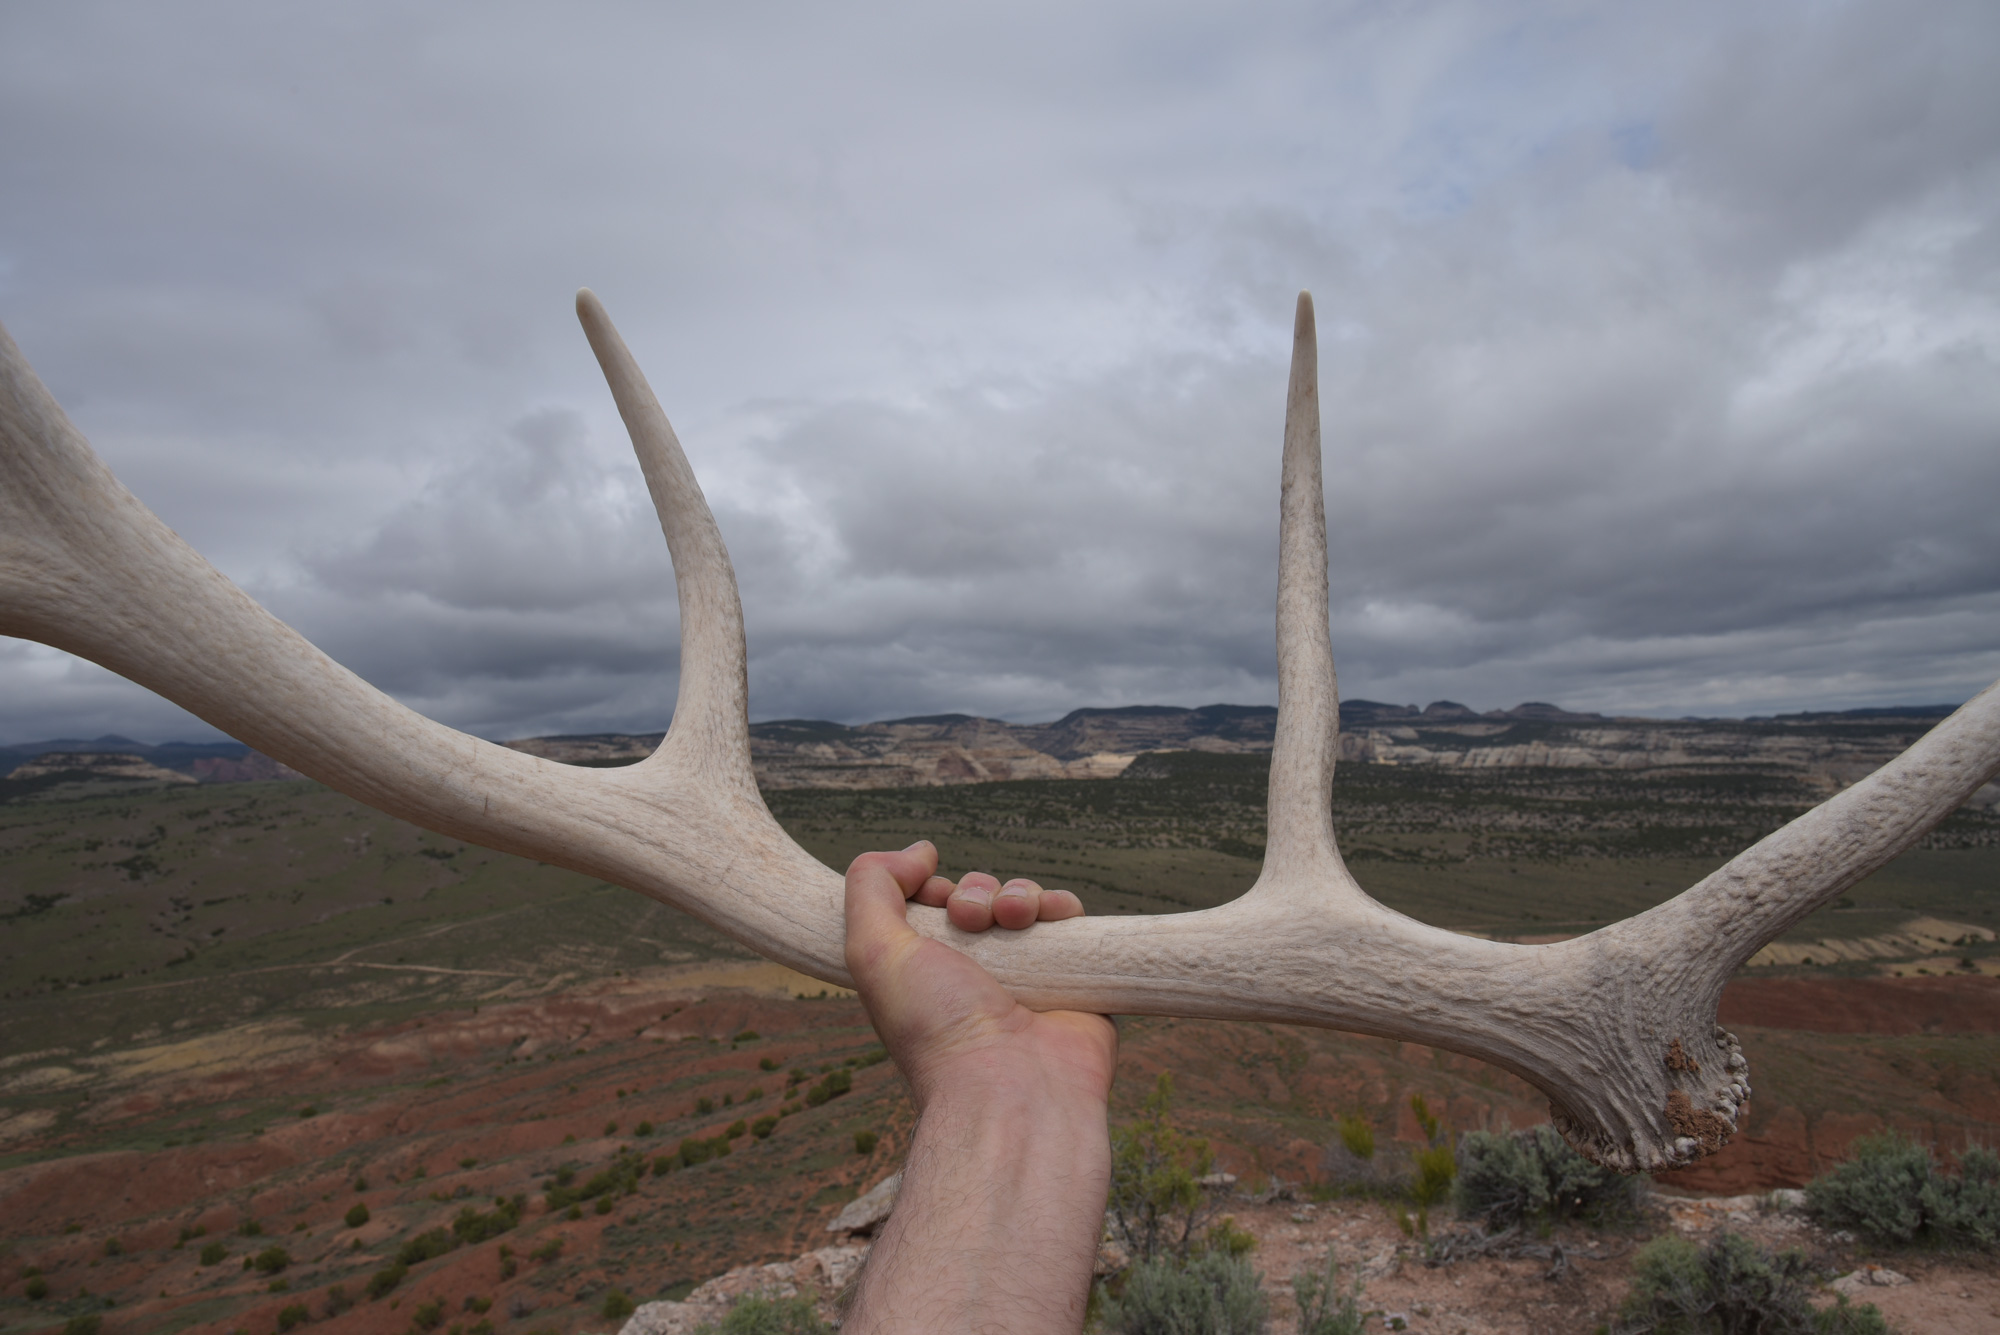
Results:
[981, 1081]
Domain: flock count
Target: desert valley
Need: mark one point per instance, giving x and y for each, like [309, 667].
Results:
[268, 1057]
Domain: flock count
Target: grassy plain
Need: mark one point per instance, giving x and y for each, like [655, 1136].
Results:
[133, 913]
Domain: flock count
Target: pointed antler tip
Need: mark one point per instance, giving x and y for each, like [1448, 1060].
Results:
[1302, 327]
[587, 304]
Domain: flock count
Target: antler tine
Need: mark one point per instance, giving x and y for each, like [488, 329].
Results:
[1300, 847]
[1769, 887]
[86, 567]
[711, 724]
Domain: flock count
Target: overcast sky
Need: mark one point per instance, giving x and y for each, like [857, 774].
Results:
[1658, 343]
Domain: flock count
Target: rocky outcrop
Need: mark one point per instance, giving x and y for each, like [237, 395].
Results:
[868, 1211]
[820, 1275]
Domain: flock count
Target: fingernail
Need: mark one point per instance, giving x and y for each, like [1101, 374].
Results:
[917, 845]
[1013, 890]
[978, 894]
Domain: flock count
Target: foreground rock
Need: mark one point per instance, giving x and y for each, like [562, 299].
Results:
[820, 1275]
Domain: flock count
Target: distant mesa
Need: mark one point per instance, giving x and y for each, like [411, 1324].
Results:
[1832, 748]
[94, 766]
[115, 759]
[937, 749]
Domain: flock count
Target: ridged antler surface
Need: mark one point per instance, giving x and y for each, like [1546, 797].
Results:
[1617, 1027]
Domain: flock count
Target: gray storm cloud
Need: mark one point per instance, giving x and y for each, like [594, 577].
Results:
[1657, 351]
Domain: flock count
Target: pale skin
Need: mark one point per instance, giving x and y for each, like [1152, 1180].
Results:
[997, 1221]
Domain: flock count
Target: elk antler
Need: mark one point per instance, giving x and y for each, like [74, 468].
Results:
[1617, 1027]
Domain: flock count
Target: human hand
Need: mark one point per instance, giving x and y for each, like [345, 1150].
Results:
[996, 1224]
[946, 1021]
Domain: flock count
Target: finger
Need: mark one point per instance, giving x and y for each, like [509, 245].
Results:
[971, 904]
[1015, 906]
[934, 892]
[1059, 904]
[877, 885]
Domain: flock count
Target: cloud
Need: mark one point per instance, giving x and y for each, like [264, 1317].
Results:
[1657, 351]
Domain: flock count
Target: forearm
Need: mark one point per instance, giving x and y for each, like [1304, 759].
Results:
[997, 1222]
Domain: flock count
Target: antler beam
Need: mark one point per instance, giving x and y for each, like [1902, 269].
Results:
[1617, 1027]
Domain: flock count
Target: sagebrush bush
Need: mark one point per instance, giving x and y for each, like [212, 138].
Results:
[1213, 1294]
[769, 1316]
[1892, 1190]
[357, 1215]
[617, 1305]
[1732, 1285]
[1534, 1177]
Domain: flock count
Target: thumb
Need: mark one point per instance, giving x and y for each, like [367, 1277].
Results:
[878, 886]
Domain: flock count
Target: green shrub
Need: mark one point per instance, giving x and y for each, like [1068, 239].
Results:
[831, 1086]
[1732, 1285]
[703, 1107]
[1893, 1191]
[250, 1228]
[428, 1316]
[426, 1246]
[611, 1128]
[113, 1247]
[747, 1036]
[737, 1129]
[471, 1226]
[663, 1164]
[1227, 1237]
[213, 1253]
[643, 1129]
[769, 1316]
[90, 1323]
[337, 1301]
[1533, 1177]
[865, 1142]
[763, 1127]
[604, 1205]
[694, 1150]
[617, 1305]
[1436, 1164]
[549, 1250]
[357, 1215]
[1358, 1135]
[622, 1174]
[1157, 1204]
[293, 1315]
[1213, 1294]
[1324, 1307]
[36, 1288]
[382, 1281]
[271, 1260]
[767, 1063]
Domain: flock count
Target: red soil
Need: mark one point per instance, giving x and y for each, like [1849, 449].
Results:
[1865, 1005]
[508, 1086]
